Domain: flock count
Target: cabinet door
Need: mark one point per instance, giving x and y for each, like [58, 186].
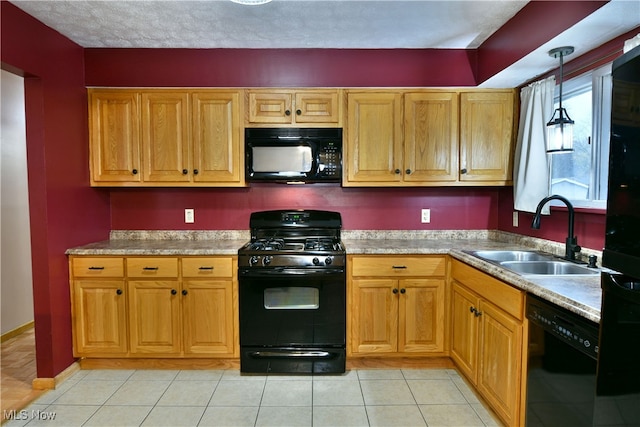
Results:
[208, 317]
[216, 137]
[421, 315]
[486, 133]
[500, 361]
[431, 137]
[270, 107]
[464, 330]
[375, 316]
[114, 136]
[154, 317]
[165, 136]
[317, 107]
[374, 138]
[99, 318]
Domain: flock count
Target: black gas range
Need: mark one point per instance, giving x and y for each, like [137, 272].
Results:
[292, 287]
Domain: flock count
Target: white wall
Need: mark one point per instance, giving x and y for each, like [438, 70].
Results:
[16, 288]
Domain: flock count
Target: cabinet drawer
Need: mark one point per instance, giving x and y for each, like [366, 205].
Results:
[98, 267]
[207, 267]
[499, 293]
[397, 266]
[152, 267]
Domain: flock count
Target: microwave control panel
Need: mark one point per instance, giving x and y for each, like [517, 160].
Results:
[330, 160]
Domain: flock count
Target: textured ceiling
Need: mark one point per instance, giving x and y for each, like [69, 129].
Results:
[348, 24]
[279, 24]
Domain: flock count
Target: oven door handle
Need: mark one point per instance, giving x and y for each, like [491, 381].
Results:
[288, 271]
[291, 353]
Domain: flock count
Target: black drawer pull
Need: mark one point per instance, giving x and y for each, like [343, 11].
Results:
[205, 268]
[96, 268]
[150, 268]
[119, 292]
[174, 292]
[399, 267]
[184, 292]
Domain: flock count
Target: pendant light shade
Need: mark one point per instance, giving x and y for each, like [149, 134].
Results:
[560, 127]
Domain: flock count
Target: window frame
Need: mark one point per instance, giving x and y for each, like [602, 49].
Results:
[599, 82]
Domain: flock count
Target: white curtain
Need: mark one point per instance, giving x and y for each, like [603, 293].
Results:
[531, 163]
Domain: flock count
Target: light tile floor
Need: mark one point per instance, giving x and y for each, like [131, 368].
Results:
[361, 397]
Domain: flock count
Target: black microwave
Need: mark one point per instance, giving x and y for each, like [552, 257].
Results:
[293, 155]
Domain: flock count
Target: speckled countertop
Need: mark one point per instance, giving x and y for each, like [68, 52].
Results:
[579, 294]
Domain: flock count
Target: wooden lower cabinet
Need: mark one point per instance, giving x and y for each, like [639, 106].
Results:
[397, 305]
[154, 317]
[487, 326]
[159, 307]
[99, 317]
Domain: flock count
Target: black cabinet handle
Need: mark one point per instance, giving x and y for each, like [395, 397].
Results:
[96, 268]
[463, 171]
[298, 112]
[477, 313]
[287, 112]
[173, 292]
[150, 268]
[118, 291]
[184, 292]
[205, 268]
[397, 171]
[399, 267]
[408, 171]
[185, 171]
[135, 171]
[403, 291]
[472, 309]
[195, 171]
[395, 290]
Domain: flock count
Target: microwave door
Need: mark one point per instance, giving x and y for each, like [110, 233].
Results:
[287, 161]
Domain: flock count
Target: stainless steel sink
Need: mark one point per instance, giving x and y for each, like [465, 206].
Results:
[554, 268]
[533, 263]
[500, 256]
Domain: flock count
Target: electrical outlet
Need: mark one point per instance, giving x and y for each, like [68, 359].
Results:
[426, 216]
[515, 218]
[189, 216]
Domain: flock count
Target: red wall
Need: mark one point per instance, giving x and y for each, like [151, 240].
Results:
[589, 226]
[361, 208]
[64, 211]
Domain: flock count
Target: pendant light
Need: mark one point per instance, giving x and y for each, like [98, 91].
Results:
[560, 127]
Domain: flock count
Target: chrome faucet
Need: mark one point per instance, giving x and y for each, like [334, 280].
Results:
[571, 243]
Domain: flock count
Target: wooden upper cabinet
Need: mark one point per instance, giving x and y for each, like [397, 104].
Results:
[114, 124]
[217, 137]
[294, 106]
[486, 135]
[431, 137]
[374, 138]
[165, 136]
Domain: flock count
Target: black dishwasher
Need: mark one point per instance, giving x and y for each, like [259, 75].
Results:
[561, 375]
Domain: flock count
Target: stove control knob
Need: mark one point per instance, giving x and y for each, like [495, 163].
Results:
[267, 260]
[328, 261]
[315, 261]
[253, 260]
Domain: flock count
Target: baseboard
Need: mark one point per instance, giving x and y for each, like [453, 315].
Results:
[17, 331]
[51, 383]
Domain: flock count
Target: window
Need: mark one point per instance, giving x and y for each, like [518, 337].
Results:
[581, 176]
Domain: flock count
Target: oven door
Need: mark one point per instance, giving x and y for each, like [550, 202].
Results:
[292, 320]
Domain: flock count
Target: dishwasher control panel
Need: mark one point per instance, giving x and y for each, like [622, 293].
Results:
[571, 328]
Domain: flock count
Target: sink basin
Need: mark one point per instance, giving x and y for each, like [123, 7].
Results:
[547, 268]
[500, 255]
